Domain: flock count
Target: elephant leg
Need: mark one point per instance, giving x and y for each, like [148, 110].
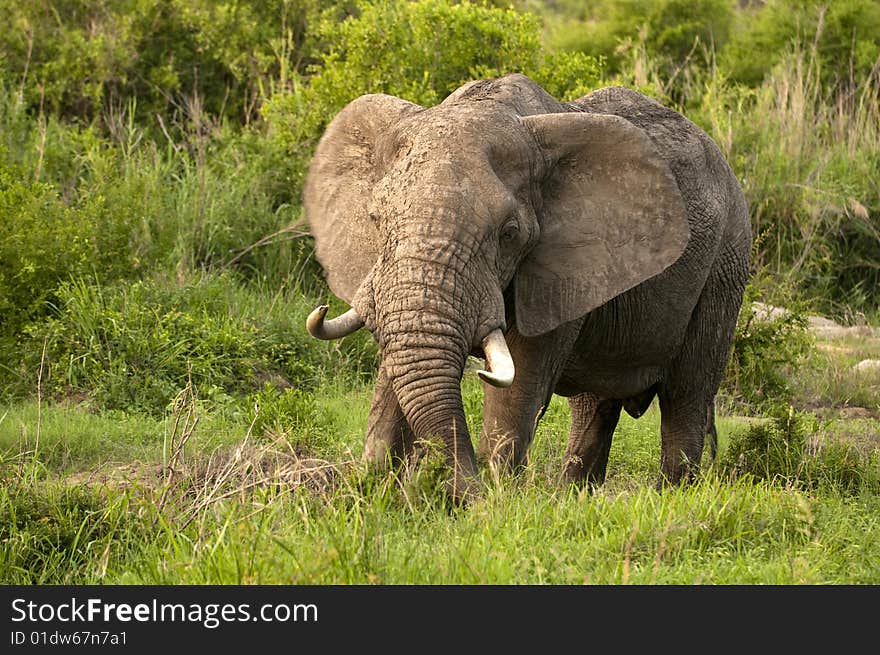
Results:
[389, 440]
[510, 416]
[687, 396]
[682, 426]
[593, 420]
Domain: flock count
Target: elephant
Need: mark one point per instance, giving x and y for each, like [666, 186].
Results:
[595, 249]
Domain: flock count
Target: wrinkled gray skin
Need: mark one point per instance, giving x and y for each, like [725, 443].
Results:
[607, 237]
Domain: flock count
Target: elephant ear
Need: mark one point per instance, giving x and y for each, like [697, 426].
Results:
[613, 216]
[346, 164]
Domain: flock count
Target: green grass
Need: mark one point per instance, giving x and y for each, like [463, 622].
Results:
[831, 380]
[333, 522]
[164, 418]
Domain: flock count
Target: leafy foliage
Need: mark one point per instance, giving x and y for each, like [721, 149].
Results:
[803, 157]
[420, 51]
[134, 347]
[672, 32]
[283, 409]
[43, 240]
[768, 350]
[844, 35]
[786, 449]
[51, 535]
[81, 59]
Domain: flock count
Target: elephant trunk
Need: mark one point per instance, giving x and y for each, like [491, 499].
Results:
[425, 344]
[427, 382]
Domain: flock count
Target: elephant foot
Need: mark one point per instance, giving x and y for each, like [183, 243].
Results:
[377, 455]
[677, 477]
[389, 445]
[382, 454]
[503, 452]
[578, 473]
[574, 470]
[463, 484]
[454, 471]
[676, 471]
[499, 455]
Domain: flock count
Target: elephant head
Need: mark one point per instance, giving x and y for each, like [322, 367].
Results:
[443, 226]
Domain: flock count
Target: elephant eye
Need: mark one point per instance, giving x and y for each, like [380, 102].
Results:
[509, 232]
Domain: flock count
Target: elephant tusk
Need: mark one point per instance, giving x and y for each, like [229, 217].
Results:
[498, 361]
[335, 328]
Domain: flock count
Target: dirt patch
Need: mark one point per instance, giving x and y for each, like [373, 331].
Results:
[856, 412]
[117, 475]
[236, 469]
[835, 348]
[819, 325]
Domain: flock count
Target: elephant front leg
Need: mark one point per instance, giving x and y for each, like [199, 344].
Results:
[390, 440]
[593, 420]
[510, 416]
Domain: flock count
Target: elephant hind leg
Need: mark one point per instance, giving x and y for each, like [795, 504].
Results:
[593, 421]
[687, 393]
[682, 428]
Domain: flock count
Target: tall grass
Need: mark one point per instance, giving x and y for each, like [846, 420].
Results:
[134, 346]
[806, 157]
[266, 513]
[779, 507]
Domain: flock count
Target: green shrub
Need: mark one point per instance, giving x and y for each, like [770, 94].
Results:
[773, 449]
[420, 51]
[216, 198]
[787, 449]
[673, 32]
[135, 346]
[843, 34]
[49, 531]
[804, 157]
[282, 409]
[44, 241]
[569, 75]
[80, 59]
[768, 350]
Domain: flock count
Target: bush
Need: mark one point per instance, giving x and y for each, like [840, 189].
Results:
[420, 51]
[787, 449]
[48, 531]
[135, 346]
[215, 198]
[803, 156]
[673, 33]
[280, 410]
[44, 241]
[80, 59]
[768, 349]
[844, 35]
[771, 450]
